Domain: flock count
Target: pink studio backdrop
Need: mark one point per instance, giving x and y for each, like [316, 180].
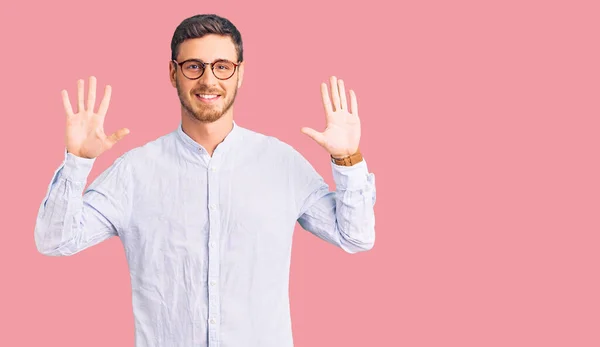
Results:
[480, 121]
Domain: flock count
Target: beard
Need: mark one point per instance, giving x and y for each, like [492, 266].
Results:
[201, 112]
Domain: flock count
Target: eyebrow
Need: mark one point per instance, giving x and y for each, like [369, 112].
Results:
[198, 59]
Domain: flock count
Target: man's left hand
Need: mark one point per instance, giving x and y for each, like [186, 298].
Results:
[342, 132]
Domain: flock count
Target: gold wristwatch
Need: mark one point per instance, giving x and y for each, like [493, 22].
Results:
[348, 160]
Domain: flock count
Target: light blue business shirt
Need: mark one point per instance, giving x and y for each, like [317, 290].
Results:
[207, 238]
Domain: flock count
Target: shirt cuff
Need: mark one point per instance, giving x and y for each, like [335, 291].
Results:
[77, 169]
[350, 177]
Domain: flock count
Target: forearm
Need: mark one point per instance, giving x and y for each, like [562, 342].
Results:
[65, 224]
[346, 216]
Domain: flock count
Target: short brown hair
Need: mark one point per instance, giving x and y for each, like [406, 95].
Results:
[205, 24]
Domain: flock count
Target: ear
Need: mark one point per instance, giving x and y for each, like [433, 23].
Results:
[172, 73]
[241, 73]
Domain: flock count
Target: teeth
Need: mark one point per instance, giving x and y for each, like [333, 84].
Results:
[207, 96]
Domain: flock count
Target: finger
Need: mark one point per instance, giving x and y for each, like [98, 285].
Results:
[343, 102]
[315, 135]
[326, 99]
[335, 94]
[67, 103]
[117, 136]
[105, 101]
[80, 103]
[92, 94]
[353, 103]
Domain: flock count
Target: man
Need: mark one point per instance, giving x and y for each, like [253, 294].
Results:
[206, 213]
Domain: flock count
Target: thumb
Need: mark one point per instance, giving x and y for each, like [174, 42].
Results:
[117, 136]
[313, 134]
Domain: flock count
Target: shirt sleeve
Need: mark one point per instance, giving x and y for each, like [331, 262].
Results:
[69, 222]
[344, 217]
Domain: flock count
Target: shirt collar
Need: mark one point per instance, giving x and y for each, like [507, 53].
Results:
[231, 138]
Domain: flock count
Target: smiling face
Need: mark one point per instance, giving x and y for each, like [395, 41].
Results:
[207, 98]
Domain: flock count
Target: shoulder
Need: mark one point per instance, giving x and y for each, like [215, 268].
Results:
[272, 149]
[149, 150]
[270, 144]
[152, 147]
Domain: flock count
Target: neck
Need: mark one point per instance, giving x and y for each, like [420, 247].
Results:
[208, 135]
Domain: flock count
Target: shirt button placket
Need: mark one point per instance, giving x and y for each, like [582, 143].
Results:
[213, 256]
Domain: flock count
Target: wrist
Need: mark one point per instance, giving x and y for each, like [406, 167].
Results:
[347, 160]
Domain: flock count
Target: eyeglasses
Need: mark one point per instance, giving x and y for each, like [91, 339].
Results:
[194, 68]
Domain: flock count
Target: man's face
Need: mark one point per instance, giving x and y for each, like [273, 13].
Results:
[206, 99]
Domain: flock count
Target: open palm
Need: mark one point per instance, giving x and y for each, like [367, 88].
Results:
[85, 135]
[342, 132]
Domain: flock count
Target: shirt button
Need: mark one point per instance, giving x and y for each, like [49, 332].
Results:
[212, 321]
[213, 169]
[213, 283]
[213, 206]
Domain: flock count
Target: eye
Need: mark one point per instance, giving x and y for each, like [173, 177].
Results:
[223, 66]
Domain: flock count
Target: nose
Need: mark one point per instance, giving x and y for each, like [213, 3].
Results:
[208, 77]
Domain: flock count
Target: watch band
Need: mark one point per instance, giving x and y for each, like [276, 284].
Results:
[348, 160]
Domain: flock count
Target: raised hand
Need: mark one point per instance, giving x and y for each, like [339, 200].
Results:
[85, 135]
[342, 132]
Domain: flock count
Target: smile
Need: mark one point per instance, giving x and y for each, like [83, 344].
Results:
[208, 98]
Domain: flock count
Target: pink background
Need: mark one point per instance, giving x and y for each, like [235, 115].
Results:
[480, 121]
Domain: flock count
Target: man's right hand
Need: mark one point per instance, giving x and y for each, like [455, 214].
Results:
[85, 135]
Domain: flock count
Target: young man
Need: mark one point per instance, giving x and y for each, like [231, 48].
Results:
[206, 212]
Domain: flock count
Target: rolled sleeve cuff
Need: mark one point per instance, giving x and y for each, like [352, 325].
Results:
[77, 169]
[350, 177]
